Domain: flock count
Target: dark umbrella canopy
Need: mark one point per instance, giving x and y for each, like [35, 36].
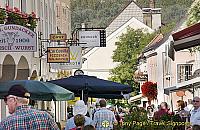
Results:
[93, 86]
[107, 96]
[39, 90]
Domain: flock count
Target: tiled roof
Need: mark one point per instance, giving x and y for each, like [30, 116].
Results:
[131, 10]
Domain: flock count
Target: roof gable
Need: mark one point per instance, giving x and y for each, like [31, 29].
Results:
[131, 10]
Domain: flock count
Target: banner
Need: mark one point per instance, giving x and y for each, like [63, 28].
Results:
[16, 38]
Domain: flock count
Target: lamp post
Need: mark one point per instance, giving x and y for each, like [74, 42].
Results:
[42, 50]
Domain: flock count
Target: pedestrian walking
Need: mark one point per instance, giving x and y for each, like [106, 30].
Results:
[181, 115]
[163, 110]
[104, 119]
[23, 116]
[79, 121]
[79, 108]
[195, 113]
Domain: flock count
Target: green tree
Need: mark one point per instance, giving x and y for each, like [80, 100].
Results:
[194, 14]
[130, 45]
[96, 13]
[99, 13]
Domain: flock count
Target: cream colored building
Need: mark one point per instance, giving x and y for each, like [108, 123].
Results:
[26, 65]
[99, 60]
[63, 20]
[63, 17]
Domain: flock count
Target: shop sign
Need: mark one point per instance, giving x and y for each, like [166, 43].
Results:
[16, 38]
[58, 55]
[58, 37]
[89, 38]
[75, 60]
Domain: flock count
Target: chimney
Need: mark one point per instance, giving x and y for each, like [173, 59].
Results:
[152, 15]
[152, 3]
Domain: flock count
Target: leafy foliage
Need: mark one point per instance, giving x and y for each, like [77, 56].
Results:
[96, 13]
[172, 10]
[99, 13]
[129, 47]
[194, 16]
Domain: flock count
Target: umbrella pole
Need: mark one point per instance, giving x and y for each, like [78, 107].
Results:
[55, 111]
[82, 95]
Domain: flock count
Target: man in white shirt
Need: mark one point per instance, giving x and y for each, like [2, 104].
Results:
[195, 113]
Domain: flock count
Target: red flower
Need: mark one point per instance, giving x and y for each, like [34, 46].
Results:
[16, 10]
[149, 90]
[33, 15]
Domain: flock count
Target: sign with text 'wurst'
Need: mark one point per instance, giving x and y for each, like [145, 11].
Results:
[16, 38]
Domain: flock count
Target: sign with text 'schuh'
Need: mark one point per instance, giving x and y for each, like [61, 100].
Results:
[92, 38]
[16, 38]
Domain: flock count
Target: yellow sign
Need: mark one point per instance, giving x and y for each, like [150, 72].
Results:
[58, 55]
[58, 37]
[105, 123]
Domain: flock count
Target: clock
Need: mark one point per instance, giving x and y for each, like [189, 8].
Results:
[78, 72]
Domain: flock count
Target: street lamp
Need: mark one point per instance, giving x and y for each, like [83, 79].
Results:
[42, 50]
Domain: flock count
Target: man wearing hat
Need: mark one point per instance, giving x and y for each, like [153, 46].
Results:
[23, 116]
[79, 108]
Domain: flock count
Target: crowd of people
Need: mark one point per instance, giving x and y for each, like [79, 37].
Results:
[102, 119]
[24, 117]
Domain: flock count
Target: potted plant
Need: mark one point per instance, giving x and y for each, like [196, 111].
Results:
[149, 90]
[14, 16]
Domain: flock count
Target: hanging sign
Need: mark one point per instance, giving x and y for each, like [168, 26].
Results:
[89, 38]
[58, 55]
[58, 37]
[16, 38]
[75, 60]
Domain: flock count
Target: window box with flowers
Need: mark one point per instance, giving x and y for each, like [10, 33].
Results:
[14, 16]
[149, 90]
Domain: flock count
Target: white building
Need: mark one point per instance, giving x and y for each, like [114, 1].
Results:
[33, 65]
[99, 60]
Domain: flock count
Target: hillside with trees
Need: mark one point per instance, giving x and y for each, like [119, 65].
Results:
[99, 13]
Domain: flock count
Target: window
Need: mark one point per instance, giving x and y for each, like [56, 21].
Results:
[184, 72]
[33, 6]
[23, 6]
[9, 3]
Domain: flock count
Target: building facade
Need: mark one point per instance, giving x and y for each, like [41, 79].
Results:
[33, 65]
[99, 60]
